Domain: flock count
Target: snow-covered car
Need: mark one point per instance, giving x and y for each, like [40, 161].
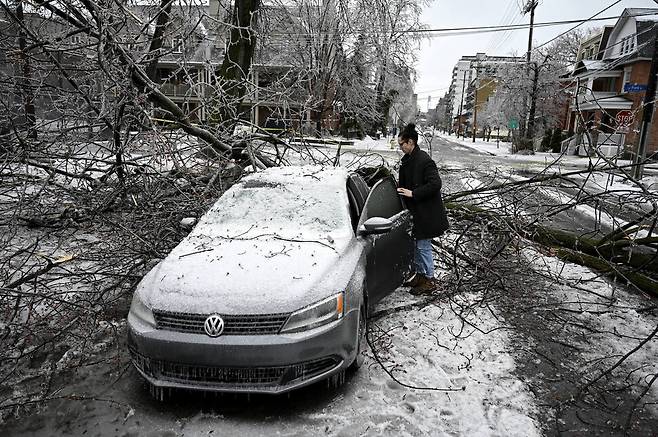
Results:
[272, 288]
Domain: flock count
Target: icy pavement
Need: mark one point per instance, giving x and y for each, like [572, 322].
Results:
[427, 347]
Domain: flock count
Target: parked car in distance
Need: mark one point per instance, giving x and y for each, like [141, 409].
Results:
[271, 290]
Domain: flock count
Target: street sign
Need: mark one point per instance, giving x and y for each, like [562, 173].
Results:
[513, 124]
[634, 88]
[624, 120]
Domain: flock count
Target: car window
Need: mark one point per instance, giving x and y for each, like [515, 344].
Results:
[276, 205]
[383, 201]
[359, 189]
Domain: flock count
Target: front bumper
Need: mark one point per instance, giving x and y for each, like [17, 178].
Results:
[242, 363]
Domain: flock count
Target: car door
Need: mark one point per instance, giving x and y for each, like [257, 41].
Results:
[389, 255]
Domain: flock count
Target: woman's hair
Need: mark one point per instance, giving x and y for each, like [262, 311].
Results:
[409, 133]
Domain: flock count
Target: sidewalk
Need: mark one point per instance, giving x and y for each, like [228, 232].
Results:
[503, 150]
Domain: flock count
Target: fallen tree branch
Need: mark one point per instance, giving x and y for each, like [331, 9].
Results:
[621, 360]
[581, 250]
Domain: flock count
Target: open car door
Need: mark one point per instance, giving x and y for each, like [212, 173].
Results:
[389, 254]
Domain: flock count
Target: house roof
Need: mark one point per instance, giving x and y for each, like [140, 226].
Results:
[643, 14]
[590, 67]
[612, 102]
[590, 64]
[645, 28]
[191, 23]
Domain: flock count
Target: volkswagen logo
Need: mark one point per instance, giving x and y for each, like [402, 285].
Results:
[214, 325]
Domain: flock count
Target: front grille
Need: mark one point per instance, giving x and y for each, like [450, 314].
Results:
[260, 324]
[232, 376]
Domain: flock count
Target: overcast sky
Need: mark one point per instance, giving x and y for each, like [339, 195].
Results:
[440, 54]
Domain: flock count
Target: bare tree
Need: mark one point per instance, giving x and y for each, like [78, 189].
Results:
[535, 90]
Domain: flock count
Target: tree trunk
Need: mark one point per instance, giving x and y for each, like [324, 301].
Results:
[26, 76]
[618, 252]
[635, 261]
[237, 62]
[530, 132]
[382, 105]
[156, 42]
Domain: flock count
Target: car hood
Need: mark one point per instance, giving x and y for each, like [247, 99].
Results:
[249, 273]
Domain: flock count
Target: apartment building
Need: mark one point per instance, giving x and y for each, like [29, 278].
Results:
[472, 73]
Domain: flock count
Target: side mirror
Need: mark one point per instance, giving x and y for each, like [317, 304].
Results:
[376, 225]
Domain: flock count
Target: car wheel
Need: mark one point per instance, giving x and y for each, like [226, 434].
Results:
[362, 341]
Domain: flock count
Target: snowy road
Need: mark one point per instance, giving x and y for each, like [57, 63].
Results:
[493, 401]
[485, 169]
[504, 367]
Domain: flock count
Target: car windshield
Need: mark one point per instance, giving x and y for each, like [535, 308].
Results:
[312, 202]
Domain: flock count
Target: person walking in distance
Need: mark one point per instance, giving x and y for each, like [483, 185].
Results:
[420, 188]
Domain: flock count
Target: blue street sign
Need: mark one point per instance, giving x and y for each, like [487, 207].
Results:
[634, 88]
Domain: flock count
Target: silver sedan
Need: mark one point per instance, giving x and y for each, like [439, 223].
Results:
[271, 290]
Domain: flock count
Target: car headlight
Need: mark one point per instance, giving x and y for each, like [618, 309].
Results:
[318, 314]
[139, 310]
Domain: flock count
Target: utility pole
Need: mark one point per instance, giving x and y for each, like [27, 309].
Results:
[530, 7]
[461, 105]
[475, 110]
[475, 101]
[647, 113]
[530, 129]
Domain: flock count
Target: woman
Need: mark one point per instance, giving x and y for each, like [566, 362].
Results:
[420, 187]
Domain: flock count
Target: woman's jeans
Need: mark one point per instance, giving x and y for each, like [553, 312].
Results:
[423, 259]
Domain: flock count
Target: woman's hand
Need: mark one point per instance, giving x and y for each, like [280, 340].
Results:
[405, 193]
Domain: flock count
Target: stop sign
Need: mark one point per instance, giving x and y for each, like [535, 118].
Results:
[624, 118]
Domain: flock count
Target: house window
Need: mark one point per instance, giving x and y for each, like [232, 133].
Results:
[627, 77]
[627, 44]
[177, 45]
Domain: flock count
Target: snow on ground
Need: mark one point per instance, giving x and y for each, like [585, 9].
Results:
[615, 326]
[487, 198]
[503, 149]
[382, 144]
[563, 198]
[428, 347]
[434, 348]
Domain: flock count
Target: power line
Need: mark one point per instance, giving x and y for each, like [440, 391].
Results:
[612, 65]
[508, 18]
[433, 90]
[507, 35]
[580, 24]
[615, 63]
[464, 30]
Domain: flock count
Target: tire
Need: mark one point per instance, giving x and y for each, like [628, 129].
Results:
[362, 341]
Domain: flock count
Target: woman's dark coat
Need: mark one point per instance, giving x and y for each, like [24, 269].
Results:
[418, 173]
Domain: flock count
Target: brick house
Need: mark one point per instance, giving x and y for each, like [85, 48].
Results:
[610, 76]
